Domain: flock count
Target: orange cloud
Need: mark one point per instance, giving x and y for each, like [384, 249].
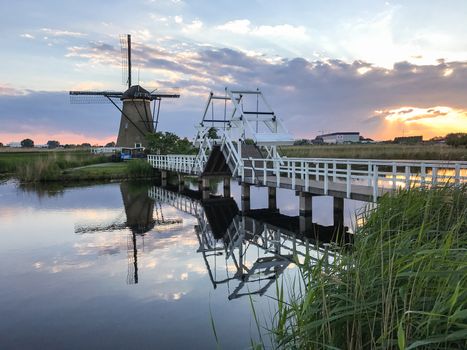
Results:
[429, 122]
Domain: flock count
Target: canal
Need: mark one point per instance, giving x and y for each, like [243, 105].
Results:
[130, 265]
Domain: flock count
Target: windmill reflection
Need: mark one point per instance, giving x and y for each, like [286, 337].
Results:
[141, 214]
[255, 249]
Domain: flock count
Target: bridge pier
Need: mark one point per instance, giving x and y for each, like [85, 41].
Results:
[272, 198]
[226, 187]
[338, 212]
[163, 178]
[205, 189]
[305, 212]
[181, 183]
[245, 197]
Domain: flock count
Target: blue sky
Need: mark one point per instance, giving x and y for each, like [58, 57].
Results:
[383, 68]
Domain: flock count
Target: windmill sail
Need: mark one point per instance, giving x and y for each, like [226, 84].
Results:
[137, 120]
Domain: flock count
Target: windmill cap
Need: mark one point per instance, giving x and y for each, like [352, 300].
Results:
[136, 91]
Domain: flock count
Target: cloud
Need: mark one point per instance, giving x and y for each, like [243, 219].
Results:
[60, 32]
[27, 36]
[244, 26]
[309, 95]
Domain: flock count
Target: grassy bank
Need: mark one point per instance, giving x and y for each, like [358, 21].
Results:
[22, 161]
[47, 166]
[403, 285]
[134, 169]
[377, 151]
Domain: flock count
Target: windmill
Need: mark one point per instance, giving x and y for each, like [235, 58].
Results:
[136, 120]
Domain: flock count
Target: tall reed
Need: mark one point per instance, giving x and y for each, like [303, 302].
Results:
[403, 284]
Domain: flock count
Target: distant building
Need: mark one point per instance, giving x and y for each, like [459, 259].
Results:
[14, 144]
[341, 137]
[408, 139]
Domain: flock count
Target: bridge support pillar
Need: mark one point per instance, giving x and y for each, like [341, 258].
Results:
[272, 198]
[245, 197]
[306, 213]
[163, 178]
[226, 187]
[205, 188]
[181, 183]
[338, 212]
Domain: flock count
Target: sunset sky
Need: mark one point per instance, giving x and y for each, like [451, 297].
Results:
[384, 68]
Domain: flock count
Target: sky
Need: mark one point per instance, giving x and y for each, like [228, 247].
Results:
[383, 68]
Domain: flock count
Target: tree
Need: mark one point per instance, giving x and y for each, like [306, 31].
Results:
[169, 143]
[85, 144]
[1, 144]
[212, 133]
[52, 144]
[27, 143]
[110, 144]
[456, 139]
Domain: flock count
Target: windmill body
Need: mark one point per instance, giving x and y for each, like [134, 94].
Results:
[137, 117]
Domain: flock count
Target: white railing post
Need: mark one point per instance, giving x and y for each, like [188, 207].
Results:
[434, 176]
[334, 167]
[307, 177]
[326, 178]
[423, 175]
[293, 175]
[457, 174]
[375, 183]
[369, 172]
[348, 180]
[407, 177]
[278, 172]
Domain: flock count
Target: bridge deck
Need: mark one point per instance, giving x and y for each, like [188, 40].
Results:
[335, 189]
[346, 178]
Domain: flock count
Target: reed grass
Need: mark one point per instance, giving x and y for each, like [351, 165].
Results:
[403, 284]
[50, 166]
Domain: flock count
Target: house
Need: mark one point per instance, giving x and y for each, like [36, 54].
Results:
[408, 139]
[341, 137]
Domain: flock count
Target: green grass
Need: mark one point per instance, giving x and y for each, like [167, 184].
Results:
[377, 151]
[133, 169]
[403, 285]
[46, 166]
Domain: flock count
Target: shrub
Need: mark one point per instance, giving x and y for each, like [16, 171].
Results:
[139, 168]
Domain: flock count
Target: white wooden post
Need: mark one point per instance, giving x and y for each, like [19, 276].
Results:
[375, 183]
[348, 180]
[325, 178]
[457, 174]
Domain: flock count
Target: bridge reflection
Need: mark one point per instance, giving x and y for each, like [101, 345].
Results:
[255, 248]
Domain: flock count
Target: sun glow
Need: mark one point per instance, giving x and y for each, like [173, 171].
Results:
[429, 122]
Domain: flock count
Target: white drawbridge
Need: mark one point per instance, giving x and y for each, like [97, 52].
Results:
[239, 134]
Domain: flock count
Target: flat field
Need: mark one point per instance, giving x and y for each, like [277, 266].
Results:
[377, 151]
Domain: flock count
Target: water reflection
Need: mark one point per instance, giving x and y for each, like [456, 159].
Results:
[142, 215]
[255, 248]
[63, 265]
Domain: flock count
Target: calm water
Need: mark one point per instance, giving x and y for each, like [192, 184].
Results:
[108, 266]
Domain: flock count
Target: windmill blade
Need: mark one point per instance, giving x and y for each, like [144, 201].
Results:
[125, 45]
[95, 97]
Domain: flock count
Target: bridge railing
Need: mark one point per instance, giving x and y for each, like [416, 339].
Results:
[376, 174]
[174, 162]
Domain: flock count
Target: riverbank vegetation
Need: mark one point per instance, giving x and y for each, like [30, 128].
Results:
[378, 151]
[402, 285]
[70, 166]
